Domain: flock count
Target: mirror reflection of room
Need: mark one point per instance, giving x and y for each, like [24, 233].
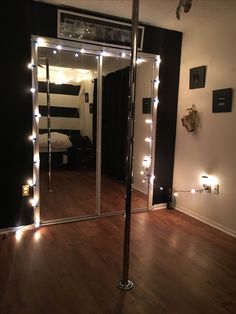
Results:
[115, 81]
[142, 134]
[73, 172]
[71, 123]
[114, 134]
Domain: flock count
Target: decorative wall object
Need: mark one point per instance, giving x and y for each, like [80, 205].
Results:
[191, 120]
[222, 100]
[92, 29]
[197, 77]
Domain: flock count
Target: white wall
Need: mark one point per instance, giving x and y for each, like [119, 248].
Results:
[212, 149]
[86, 117]
[60, 100]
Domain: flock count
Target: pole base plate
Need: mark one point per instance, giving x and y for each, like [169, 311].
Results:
[125, 285]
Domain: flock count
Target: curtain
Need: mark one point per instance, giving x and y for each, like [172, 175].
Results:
[115, 91]
[114, 123]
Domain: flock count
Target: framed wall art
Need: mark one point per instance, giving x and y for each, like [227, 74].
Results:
[93, 29]
[222, 100]
[197, 77]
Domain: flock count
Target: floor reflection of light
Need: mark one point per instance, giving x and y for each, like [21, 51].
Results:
[18, 235]
[37, 235]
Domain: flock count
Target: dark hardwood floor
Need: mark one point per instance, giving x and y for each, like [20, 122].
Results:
[74, 194]
[178, 264]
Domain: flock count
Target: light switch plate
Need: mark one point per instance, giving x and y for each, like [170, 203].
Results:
[216, 189]
[25, 190]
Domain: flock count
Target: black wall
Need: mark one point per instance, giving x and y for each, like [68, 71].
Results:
[168, 44]
[28, 17]
[16, 112]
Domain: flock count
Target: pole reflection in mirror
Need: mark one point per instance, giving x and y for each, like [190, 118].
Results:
[49, 129]
[125, 283]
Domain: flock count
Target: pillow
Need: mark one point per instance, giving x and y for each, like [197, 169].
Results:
[58, 140]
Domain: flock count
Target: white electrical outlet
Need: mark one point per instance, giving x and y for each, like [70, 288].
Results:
[216, 189]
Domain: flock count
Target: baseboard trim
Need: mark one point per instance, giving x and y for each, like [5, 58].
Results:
[14, 229]
[208, 222]
[159, 206]
[139, 189]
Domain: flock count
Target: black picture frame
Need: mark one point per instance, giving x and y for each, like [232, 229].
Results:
[86, 97]
[222, 100]
[147, 105]
[91, 108]
[197, 77]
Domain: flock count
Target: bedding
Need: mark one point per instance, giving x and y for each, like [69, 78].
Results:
[70, 149]
[59, 142]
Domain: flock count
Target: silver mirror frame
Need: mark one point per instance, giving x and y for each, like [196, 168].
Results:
[99, 51]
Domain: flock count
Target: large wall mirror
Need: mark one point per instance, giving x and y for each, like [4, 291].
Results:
[72, 190]
[81, 130]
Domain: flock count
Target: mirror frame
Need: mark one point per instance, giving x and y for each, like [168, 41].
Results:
[100, 52]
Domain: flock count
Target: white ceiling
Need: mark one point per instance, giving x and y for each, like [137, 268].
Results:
[160, 13]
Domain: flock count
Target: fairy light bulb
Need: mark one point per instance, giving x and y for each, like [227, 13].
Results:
[158, 61]
[155, 102]
[156, 83]
[40, 41]
[148, 139]
[139, 60]
[32, 202]
[32, 137]
[30, 182]
[152, 178]
[36, 163]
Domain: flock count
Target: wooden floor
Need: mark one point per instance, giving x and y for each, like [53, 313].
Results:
[74, 195]
[179, 265]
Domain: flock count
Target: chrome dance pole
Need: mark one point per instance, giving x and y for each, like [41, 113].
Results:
[125, 283]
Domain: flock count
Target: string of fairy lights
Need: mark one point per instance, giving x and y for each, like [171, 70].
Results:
[32, 185]
[146, 172]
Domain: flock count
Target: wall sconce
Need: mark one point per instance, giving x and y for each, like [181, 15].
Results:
[206, 183]
[209, 184]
